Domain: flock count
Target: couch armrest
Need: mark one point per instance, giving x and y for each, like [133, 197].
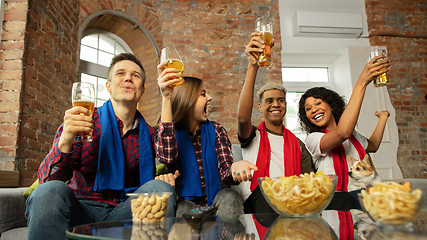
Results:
[12, 208]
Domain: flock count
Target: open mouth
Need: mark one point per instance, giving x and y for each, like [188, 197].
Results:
[275, 112]
[318, 116]
[205, 110]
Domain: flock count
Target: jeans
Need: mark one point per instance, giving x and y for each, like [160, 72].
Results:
[52, 208]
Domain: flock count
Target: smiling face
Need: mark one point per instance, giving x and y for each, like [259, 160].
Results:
[200, 107]
[126, 82]
[273, 107]
[319, 112]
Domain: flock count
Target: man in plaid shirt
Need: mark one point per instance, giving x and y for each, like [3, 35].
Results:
[84, 182]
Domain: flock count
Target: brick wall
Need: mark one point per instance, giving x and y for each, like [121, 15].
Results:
[11, 62]
[404, 32]
[211, 37]
[50, 69]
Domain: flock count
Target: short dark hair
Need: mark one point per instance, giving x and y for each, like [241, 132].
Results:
[335, 101]
[122, 57]
[270, 86]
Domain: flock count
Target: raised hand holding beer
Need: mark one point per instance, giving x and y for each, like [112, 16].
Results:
[83, 95]
[173, 59]
[381, 80]
[264, 25]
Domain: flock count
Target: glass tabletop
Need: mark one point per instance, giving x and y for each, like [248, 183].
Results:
[329, 225]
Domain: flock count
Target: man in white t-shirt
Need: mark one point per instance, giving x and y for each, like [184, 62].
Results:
[271, 147]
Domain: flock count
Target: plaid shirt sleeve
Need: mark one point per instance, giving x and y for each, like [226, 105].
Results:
[165, 143]
[223, 152]
[56, 165]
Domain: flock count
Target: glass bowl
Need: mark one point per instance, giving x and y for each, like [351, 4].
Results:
[391, 203]
[149, 207]
[299, 196]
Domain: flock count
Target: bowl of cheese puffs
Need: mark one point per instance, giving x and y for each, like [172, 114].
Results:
[299, 196]
[391, 203]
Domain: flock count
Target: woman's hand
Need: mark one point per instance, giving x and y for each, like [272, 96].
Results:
[384, 114]
[169, 178]
[375, 67]
[241, 171]
[167, 77]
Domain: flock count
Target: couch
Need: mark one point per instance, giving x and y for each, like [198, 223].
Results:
[13, 224]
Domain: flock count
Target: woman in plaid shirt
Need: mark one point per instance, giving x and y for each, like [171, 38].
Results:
[198, 148]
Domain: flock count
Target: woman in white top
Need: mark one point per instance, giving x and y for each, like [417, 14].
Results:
[330, 124]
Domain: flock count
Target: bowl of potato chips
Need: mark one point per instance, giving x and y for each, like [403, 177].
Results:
[391, 203]
[299, 196]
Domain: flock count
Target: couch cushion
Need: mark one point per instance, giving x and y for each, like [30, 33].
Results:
[15, 234]
[12, 208]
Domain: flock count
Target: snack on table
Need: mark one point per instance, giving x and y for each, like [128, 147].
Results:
[149, 231]
[304, 194]
[391, 202]
[149, 207]
[300, 228]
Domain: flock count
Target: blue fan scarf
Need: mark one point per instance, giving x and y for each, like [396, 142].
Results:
[110, 173]
[189, 184]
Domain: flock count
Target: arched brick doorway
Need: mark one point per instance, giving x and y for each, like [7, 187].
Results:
[142, 45]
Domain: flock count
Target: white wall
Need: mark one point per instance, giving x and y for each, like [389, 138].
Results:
[345, 58]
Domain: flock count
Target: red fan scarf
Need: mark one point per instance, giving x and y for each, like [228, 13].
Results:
[262, 230]
[340, 161]
[291, 153]
[346, 225]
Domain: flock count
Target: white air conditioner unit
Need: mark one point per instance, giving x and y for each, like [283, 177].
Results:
[327, 24]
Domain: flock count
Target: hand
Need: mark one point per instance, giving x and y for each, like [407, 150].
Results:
[385, 114]
[255, 47]
[244, 236]
[167, 76]
[169, 178]
[375, 67]
[241, 170]
[76, 119]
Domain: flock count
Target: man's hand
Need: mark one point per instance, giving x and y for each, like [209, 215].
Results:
[241, 171]
[169, 178]
[255, 47]
[76, 119]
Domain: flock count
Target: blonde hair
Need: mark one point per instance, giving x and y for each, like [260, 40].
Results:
[183, 99]
[270, 86]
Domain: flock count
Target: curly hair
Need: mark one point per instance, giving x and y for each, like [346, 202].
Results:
[335, 101]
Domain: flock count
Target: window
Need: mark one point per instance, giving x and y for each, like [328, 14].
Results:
[297, 80]
[96, 51]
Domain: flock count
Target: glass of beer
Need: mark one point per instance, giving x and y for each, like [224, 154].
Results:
[83, 95]
[264, 25]
[173, 59]
[381, 80]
